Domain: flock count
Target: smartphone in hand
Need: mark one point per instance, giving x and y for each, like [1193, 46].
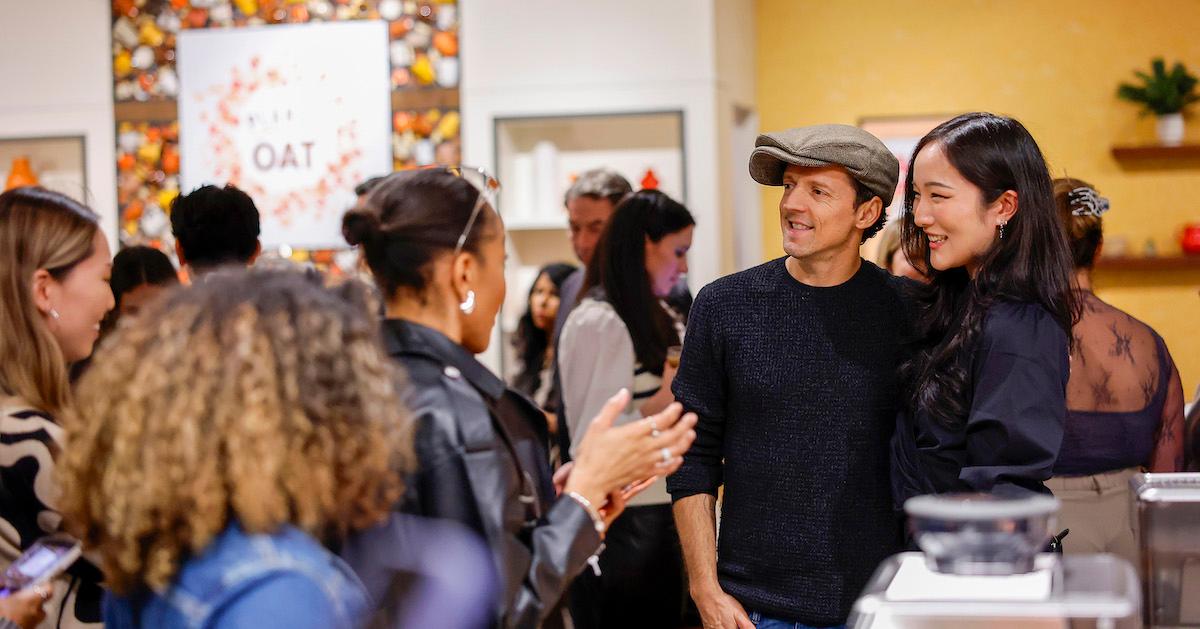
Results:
[47, 558]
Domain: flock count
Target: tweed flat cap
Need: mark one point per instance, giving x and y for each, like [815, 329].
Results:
[859, 152]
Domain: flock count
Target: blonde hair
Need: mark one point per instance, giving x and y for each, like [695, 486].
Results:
[889, 244]
[39, 229]
[260, 398]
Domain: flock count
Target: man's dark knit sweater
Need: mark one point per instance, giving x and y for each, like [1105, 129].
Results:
[796, 391]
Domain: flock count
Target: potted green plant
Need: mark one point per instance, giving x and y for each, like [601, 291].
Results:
[1164, 94]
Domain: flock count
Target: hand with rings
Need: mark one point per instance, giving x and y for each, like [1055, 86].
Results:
[24, 607]
[610, 458]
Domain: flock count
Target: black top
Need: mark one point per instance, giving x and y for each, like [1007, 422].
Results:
[31, 440]
[796, 391]
[1124, 398]
[1011, 437]
[483, 462]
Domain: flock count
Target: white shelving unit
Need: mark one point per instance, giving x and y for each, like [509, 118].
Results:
[681, 76]
[537, 159]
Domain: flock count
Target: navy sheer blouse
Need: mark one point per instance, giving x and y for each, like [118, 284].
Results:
[1011, 437]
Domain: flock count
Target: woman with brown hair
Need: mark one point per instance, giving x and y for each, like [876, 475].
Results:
[54, 267]
[435, 246]
[221, 439]
[1124, 398]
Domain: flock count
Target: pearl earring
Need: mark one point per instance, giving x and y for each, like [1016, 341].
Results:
[54, 314]
[468, 304]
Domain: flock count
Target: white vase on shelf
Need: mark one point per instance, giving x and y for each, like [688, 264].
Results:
[1170, 129]
[520, 202]
[545, 169]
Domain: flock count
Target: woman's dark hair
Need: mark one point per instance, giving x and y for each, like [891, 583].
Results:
[409, 219]
[1085, 232]
[133, 267]
[215, 226]
[530, 341]
[1030, 264]
[619, 268]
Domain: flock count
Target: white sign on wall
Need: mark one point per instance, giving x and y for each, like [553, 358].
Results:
[294, 115]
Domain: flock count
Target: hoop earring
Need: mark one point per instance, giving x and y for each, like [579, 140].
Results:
[468, 304]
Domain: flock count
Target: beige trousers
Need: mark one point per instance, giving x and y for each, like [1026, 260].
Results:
[1097, 509]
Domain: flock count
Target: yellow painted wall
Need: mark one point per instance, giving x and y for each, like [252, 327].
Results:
[1053, 64]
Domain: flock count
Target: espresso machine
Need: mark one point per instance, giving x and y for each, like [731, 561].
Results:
[982, 566]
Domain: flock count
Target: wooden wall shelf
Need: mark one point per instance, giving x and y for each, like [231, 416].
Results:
[1156, 151]
[157, 110]
[166, 109]
[1142, 264]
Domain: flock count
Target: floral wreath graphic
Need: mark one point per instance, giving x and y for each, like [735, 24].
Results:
[311, 201]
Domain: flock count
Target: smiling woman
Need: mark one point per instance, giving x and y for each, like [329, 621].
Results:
[54, 266]
[986, 384]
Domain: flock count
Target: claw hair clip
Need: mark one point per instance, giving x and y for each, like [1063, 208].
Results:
[1087, 202]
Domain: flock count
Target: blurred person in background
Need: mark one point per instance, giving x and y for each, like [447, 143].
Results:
[139, 276]
[890, 256]
[221, 441]
[1124, 398]
[215, 227]
[532, 340]
[54, 267]
[618, 337]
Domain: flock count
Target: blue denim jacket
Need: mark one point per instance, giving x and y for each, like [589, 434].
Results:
[285, 579]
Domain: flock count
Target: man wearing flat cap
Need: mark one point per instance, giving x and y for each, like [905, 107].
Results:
[791, 367]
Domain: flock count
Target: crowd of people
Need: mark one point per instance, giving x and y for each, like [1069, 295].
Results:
[261, 446]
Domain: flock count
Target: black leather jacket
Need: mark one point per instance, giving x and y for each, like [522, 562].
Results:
[483, 456]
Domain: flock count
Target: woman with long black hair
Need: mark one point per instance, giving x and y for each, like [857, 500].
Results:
[535, 330]
[619, 336]
[986, 379]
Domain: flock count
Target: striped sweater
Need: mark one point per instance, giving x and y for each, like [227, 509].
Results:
[29, 493]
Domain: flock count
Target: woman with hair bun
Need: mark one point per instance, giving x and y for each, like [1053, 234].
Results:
[1124, 399]
[435, 246]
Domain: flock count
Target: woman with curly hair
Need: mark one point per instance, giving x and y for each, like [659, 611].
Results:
[54, 267]
[987, 378]
[220, 440]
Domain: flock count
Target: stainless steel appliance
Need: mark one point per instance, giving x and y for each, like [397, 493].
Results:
[1167, 513]
[981, 568]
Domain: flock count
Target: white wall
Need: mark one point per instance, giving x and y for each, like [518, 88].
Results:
[555, 57]
[56, 69]
[737, 121]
